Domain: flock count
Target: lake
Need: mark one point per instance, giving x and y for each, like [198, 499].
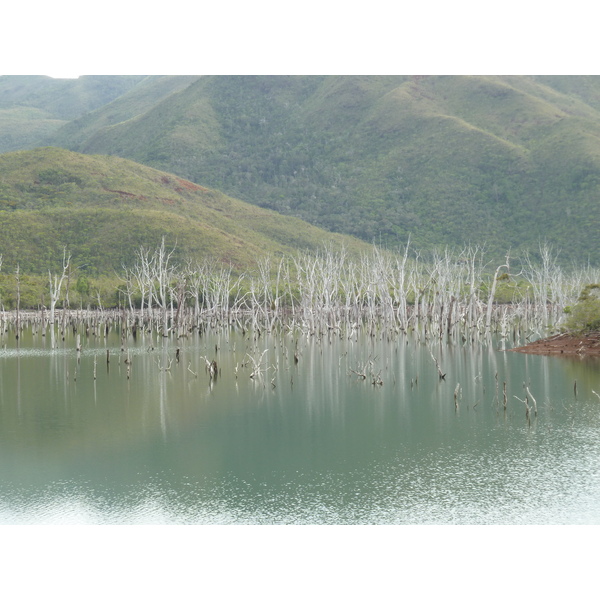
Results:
[294, 429]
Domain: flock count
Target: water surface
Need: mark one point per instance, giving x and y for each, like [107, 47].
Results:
[152, 439]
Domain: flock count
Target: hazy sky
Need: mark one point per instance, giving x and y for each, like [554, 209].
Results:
[67, 38]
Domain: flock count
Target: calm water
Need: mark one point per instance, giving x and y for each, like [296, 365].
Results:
[306, 443]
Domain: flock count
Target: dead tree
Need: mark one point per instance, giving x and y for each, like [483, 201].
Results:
[142, 273]
[56, 283]
[162, 273]
[441, 374]
[488, 316]
[18, 280]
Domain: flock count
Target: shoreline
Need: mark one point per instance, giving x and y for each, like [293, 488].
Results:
[564, 344]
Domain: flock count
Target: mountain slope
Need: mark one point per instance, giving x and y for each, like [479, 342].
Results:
[64, 99]
[142, 97]
[33, 107]
[498, 161]
[104, 208]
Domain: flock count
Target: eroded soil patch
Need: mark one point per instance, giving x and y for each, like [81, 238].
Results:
[564, 343]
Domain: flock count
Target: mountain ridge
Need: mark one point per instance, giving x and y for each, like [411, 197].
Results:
[500, 161]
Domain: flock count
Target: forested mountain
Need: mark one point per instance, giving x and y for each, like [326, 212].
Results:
[502, 161]
[102, 209]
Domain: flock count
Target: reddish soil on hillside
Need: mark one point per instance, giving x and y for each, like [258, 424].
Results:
[565, 344]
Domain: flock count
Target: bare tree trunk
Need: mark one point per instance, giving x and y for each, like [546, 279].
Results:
[162, 274]
[488, 316]
[18, 279]
[56, 284]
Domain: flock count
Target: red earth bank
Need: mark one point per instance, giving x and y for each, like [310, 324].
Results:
[564, 343]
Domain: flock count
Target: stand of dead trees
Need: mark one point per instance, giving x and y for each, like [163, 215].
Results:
[442, 296]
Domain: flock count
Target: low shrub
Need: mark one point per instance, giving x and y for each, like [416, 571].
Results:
[584, 317]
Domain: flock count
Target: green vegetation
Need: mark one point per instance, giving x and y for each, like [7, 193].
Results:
[135, 101]
[102, 209]
[495, 161]
[501, 162]
[33, 108]
[79, 291]
[64, 99]
[584, 317]
[25, 127]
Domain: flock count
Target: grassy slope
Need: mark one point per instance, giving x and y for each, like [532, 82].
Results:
[141, 98]
[24, 127]
[64, 99]
[504, 161]
[32, 108]
[104, 208]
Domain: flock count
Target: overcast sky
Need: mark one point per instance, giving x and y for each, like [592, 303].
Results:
[67, 38]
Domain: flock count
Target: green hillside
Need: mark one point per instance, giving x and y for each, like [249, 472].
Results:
[504, 162]
[64, 99]
[135, 101]
[33, 107]
[103, 208]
